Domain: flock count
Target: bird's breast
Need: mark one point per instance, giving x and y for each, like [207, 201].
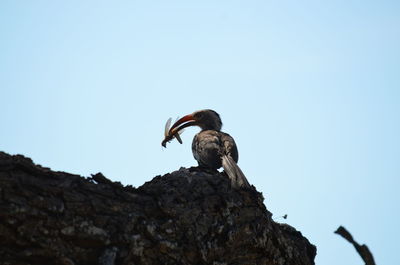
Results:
[209, 146]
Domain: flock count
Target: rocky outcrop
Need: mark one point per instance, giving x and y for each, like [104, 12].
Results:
[190, 216]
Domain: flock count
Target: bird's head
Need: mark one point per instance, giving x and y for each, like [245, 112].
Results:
[206, 119]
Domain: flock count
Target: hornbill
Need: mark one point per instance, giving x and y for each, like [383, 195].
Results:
[211, 147]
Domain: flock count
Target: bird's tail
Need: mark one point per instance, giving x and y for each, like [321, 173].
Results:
[235, 174]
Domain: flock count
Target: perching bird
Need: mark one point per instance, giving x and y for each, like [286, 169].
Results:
[211, 147]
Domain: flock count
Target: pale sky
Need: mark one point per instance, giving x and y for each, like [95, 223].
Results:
[310, 90]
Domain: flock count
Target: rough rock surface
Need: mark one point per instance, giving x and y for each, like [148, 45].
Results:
[190, 216]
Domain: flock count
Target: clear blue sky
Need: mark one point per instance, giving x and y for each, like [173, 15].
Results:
[310, 90]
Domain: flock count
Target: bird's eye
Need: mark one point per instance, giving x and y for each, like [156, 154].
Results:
[199, 115]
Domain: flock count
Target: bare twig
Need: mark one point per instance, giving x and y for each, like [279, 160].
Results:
[362, 250]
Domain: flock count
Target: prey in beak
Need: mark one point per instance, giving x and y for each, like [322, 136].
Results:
[176, 130]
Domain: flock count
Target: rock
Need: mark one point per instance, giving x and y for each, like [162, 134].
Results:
[190, 216]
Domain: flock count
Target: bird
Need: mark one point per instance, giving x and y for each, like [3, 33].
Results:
[211, 147]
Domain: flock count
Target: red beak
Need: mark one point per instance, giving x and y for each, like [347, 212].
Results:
[190, 121]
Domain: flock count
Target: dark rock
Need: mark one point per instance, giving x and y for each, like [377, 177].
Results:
[190, 216]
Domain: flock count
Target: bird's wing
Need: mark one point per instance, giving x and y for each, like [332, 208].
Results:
[229, 146]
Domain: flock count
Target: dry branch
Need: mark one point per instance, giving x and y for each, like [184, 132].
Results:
[362, 250]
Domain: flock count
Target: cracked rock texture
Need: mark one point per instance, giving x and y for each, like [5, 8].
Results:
[190, 216]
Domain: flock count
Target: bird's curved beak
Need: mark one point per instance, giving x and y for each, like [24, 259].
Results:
[184, 122]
